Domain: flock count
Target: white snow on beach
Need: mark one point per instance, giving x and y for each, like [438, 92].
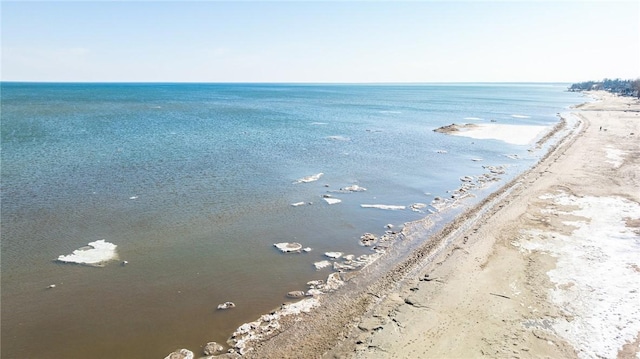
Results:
[513, 134]
[95, 254]
[597, 274]
[615, 156]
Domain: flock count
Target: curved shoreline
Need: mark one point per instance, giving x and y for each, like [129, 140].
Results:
[325, 328]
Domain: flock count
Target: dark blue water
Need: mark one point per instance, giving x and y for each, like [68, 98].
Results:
[194, 184]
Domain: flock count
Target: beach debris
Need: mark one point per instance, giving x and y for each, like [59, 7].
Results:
[296, 294]
[384, 206]
[213, 348]
[500, 295]
[353, 188]
[180, 354]
[288, 247]
[95, 254]
[368, 239]
[332, 200]
[297, 204]
[334, 255]
[308, 179]
[226, 305]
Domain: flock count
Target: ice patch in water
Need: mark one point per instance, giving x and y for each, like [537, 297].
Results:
[308, 179]
[332, 200]
[94, 254]
[520, 116]
[383, 206]
[473, 118]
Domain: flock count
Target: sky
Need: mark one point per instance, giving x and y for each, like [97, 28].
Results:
[327, 41]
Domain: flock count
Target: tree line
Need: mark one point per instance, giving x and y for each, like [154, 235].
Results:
[616, 86]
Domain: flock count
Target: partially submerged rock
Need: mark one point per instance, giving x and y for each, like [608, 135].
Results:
[213, 348]
[180, 354]
[226, 305]
[287, 247]
[368, 239]
[296, 294]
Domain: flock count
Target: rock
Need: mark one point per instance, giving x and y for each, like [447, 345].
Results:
[286, 247]
[213, 348]
[180, 354]
[296, 294]
[226, 305]
[368, 239]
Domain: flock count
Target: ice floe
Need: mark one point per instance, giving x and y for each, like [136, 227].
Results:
[520, 116]
[353, 188]
[384, 206]
[94, 254]
[287, 247]
[322, 264]
[308, 179]
[334, 255]
[297, 204]
[180, 354]
[332, 200]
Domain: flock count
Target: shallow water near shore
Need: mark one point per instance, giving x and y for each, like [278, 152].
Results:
[194, 184]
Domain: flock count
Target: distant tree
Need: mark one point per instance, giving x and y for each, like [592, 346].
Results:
[635, 85]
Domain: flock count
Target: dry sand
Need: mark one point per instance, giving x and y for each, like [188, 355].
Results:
[549, 266]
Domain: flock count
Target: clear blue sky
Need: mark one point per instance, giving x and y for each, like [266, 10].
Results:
[331, 41]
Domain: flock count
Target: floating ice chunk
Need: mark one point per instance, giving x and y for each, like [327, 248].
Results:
[334, 255]
[287, 247]
[332, 200]
[354, 188]
[308, 179]
[520, 116]
[133, 197]
[297, 204]
[383, 206]
[418, 207]
[94, 254]
[322, 264]
[473, 118]
[338, 138]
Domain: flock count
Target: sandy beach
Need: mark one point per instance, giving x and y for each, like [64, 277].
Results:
[548, 266]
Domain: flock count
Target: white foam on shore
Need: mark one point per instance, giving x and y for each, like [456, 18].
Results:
[597, 274]
[95, 254]
[384, 206]
[513, 134]
[308, 179]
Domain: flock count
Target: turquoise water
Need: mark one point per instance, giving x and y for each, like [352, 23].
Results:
[194, 183]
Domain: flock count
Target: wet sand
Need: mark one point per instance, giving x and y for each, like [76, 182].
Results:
[494, 282]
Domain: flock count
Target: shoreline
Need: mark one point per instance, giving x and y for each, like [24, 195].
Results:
[365, 313]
